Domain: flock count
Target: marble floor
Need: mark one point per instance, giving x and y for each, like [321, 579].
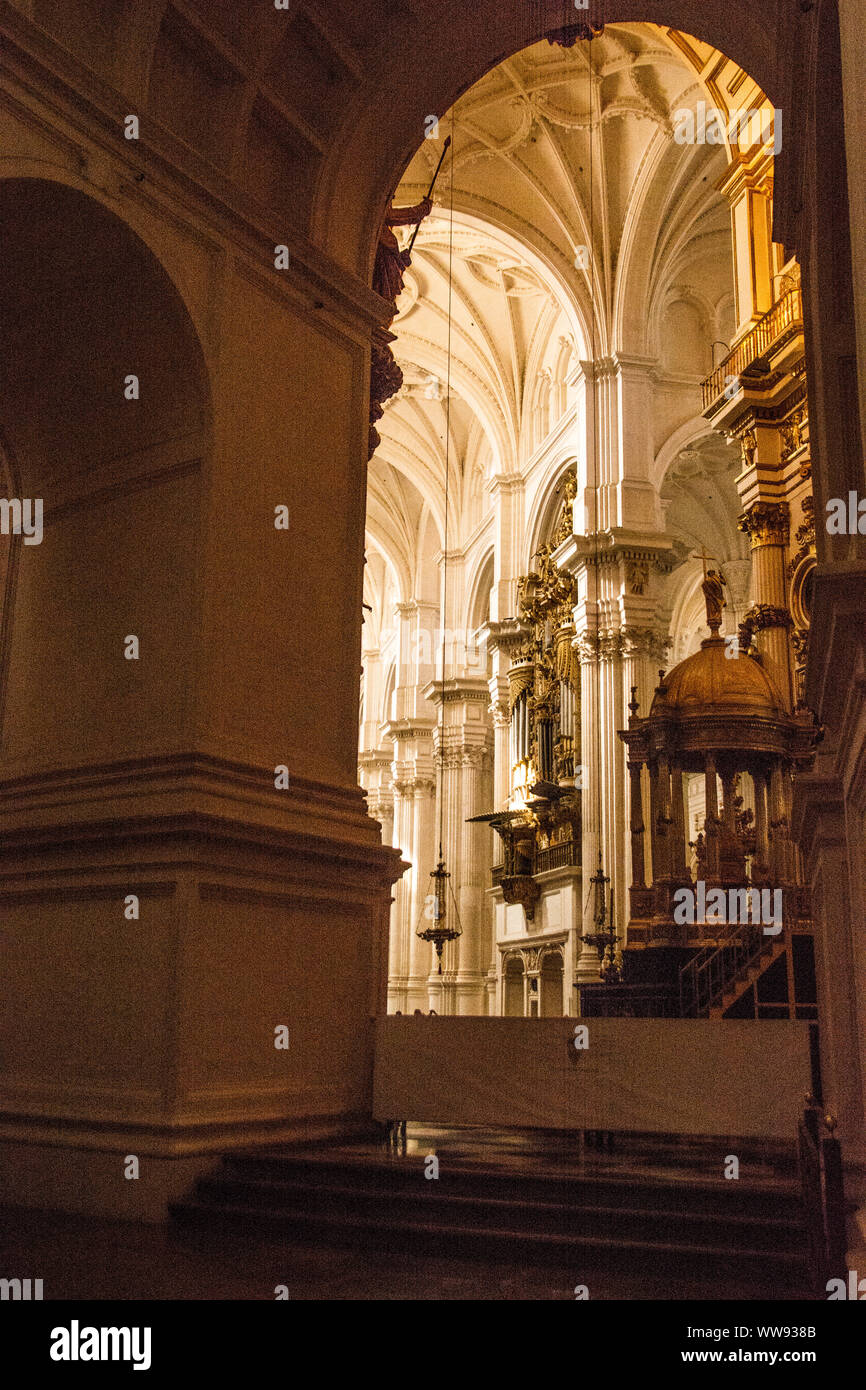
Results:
[85, 1258]
[674, 1159]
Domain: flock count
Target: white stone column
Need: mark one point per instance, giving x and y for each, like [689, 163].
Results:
[466, 790]
[507, 491]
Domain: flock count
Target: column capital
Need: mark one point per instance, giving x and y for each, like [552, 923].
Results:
[458, 690]
[506, 482]
[766, 523]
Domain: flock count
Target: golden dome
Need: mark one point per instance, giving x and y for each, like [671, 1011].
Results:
[710, 682]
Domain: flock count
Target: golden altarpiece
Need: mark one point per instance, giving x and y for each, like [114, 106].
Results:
[537, 885]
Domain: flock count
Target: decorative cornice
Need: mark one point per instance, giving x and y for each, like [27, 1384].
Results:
[456, 691]
[478, 758]
[629, 549]
[506, 482]
[507, 636]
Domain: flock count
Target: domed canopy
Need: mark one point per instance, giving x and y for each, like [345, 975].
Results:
[710, 682]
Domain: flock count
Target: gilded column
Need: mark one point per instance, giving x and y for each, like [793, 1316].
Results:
[767, 526]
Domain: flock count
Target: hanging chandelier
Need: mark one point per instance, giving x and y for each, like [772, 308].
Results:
[445, 928]
[443, 917]
[605, 938]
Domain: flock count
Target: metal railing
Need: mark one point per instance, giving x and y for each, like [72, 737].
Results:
[776, 323]
[820, 1163]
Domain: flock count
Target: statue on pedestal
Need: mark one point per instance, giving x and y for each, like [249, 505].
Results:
[714, 593]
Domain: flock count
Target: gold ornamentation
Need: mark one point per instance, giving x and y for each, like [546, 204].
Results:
[714, 586]
[759, 617]
[565, 522]
[792, 433]
[766, 523]
[749, 445]
[806, 533]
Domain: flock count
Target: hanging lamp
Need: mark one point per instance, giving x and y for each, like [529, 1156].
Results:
[440, 906]
[604, 936]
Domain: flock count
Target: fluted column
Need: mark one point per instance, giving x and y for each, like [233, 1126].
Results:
[465, 755]
[662, 819]
[762, 838]
[414, 820]
[767, 525]
[586, 956]
[500, 715]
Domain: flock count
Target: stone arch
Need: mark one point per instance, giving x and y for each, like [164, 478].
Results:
[513, 973]
[95, 319]
[551, 977]
[479, 590]
[362, 170]
[546, 507]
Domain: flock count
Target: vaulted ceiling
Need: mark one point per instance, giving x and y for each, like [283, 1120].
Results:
[580, 229]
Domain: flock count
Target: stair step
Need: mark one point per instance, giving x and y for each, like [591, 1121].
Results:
[770, 1200]
[432, 1236]
[725, 1232]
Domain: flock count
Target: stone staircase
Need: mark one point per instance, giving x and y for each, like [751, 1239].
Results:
[677, 1223]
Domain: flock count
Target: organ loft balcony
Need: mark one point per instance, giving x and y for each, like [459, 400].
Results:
[758, 370]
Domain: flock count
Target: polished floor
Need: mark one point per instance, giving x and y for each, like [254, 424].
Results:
[674, 1159]
[83, 1258]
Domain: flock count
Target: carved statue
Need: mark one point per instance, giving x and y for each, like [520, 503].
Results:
[700, 848]
[386, 378]
[749, 443]
[714, 593]
[391, 262]
[637, 576]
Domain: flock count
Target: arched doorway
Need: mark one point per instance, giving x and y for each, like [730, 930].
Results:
[551, 985]
[105, 411]
[514, 1004]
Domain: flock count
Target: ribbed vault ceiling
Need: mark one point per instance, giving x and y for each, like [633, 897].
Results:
[555, 150]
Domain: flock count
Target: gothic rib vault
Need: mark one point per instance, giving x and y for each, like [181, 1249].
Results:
[588, 251]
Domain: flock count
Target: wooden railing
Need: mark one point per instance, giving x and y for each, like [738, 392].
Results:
[629, 1001]
[820, 1164]
[562, 856]
[706, 977]
[784, 316]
